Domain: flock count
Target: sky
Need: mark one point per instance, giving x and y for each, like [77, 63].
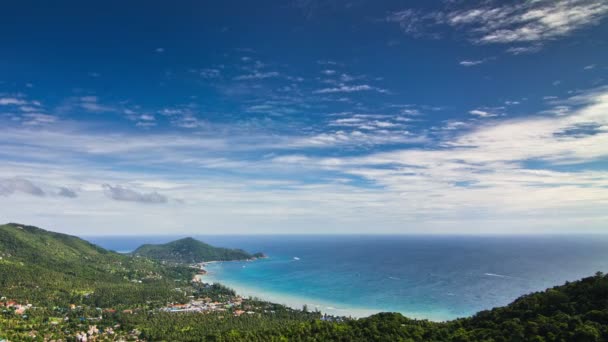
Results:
[305, 117]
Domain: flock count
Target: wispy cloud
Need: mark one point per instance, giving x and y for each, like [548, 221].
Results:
[27, 112]
[491, 158]
[183, 117]
[12, 185]
[188, 120]
[477, 171]
[92, 104]
[529, 22]
[258, 76]
[481, 113]
[209, 73]
[469, 63]
[520, 50]
[349, 89]
[120, 193]
[12, 101]
[38, 119]
[416, 23]
[67, 192]
[373, 137]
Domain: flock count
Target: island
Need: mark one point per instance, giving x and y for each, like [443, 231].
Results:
[57, 287]
[191, 251]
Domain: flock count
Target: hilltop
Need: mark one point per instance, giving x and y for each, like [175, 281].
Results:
[189, 251]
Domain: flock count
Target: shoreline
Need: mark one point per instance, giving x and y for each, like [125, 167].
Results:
[297, 302]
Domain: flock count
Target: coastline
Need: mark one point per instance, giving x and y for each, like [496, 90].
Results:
[297, 302]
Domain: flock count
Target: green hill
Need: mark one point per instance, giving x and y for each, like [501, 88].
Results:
[47, 267]
[575, 311]
[189, 250]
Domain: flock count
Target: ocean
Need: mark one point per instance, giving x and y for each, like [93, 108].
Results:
[427, 277]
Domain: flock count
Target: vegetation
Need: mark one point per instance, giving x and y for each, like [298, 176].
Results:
[51, 269]
[190, 251]
[74, 288]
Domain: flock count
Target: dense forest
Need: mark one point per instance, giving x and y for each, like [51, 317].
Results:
[190, 251]
[59, 287]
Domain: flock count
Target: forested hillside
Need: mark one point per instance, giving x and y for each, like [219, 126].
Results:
[189, 250]
[57, 269]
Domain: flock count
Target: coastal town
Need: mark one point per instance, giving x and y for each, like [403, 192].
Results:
[88, 322]
[231, 302]
[90, 328]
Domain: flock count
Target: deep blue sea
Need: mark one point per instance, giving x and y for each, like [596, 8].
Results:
[433, 277]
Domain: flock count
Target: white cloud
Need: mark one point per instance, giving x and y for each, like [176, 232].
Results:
[473, 180]
[188, 120]
[532, 21]
[145, 124]
[526, 22]
[210, 73]
[67, 192]
[257, 76]
[171, 111]
[147, 117]
[123, 194]
[38, 119]
[357, 137]
[348, 78]
[415, 23]
[469, 63]
[454, 125]
[481, 113]
[491, 158]
[520, 50]
[29, 109]
[349, 89]
[12, 185]
[91, 104]
[12, 101]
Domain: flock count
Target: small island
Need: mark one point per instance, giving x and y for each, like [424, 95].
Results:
[191, 251]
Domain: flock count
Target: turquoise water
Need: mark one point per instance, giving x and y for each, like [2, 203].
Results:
[433, 277]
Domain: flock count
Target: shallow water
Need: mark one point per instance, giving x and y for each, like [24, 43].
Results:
[434, 277]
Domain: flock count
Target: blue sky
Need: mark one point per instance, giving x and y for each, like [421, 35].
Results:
[305, 116]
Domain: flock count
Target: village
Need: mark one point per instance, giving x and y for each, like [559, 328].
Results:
[232, 303]
[205, 297]
[205, 305]
[15, 307]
